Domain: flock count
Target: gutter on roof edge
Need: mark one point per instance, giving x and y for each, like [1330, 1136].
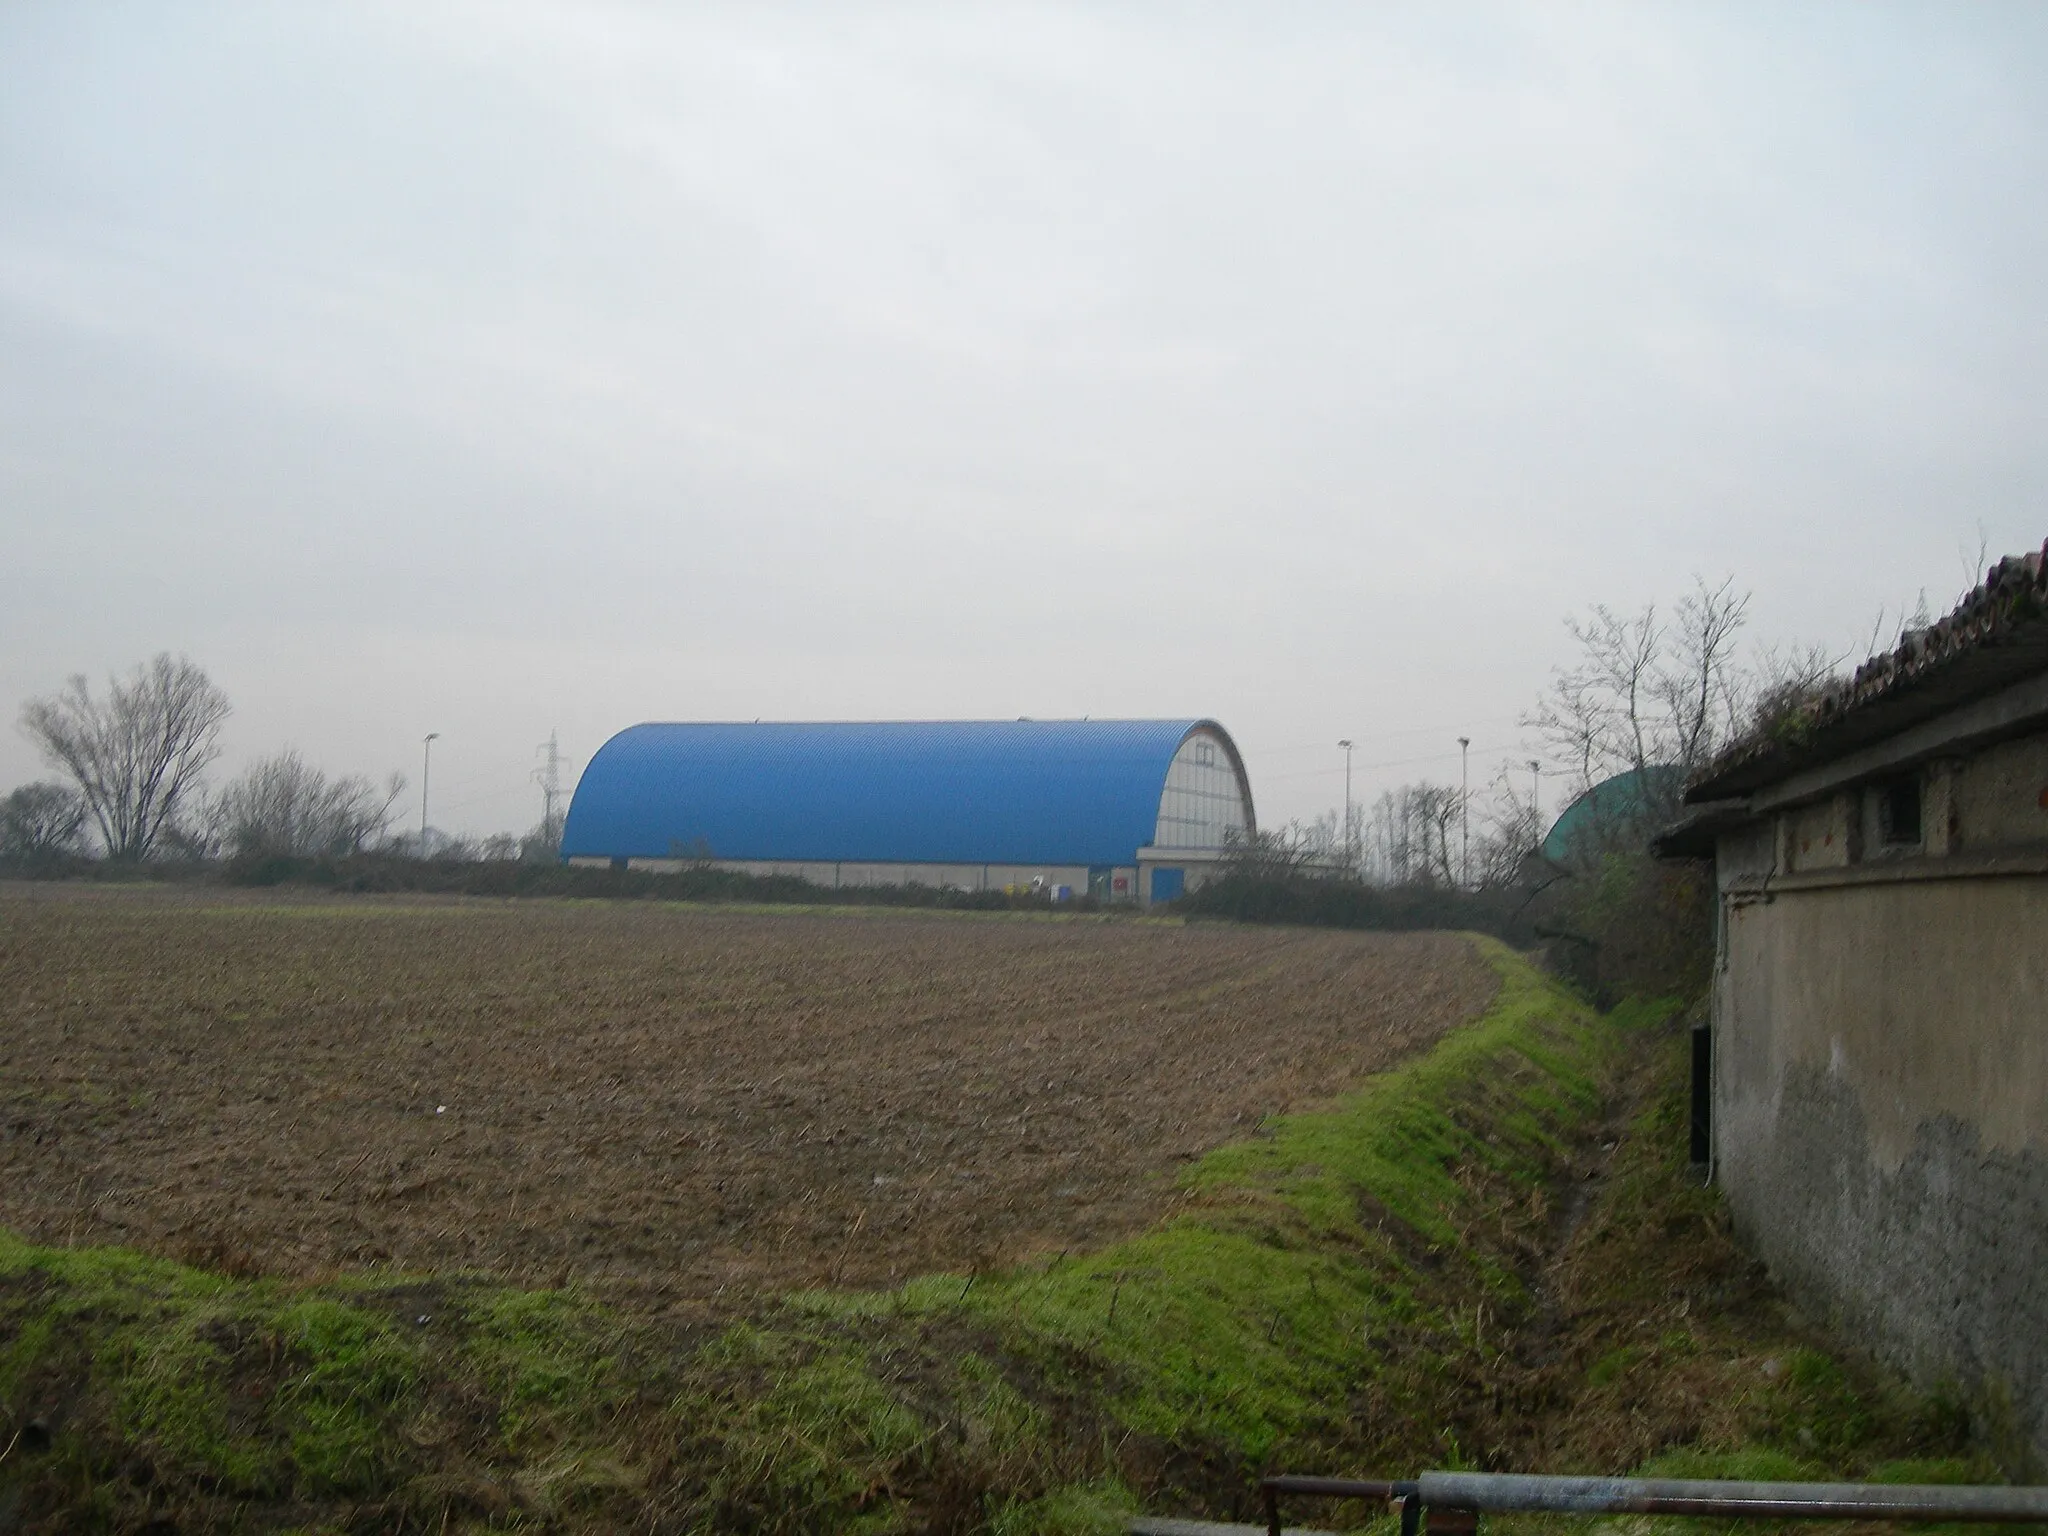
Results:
[1693, 836]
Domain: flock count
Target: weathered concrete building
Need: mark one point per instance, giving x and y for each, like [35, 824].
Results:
[1879, 1061]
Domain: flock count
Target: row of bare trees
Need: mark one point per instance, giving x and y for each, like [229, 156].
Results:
[284, 807]
[136, 758]
[1654, 691]
[1649, 698]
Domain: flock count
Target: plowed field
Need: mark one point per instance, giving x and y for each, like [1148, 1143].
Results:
[674, 1099]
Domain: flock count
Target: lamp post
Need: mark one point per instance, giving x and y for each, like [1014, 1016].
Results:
[426, 765]
[1536, 797]
[1348, 859]
[1465, 811]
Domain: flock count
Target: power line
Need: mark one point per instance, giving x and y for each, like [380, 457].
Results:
[1392, 762]
[549, 777]
[1405, 730]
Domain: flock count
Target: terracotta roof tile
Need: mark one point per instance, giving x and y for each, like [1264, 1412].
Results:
[1996, 636]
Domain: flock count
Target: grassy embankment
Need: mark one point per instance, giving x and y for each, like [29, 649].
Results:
[1487, 1257]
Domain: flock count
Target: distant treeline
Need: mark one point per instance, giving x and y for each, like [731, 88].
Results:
[1628, 924]
[372, 872]
[1269, 896]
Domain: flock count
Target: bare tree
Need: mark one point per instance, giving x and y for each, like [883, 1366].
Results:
[40, 823]
[543, 843]
[498, 848]
[1437, 808]
[1661, 698]
[198, 832]
[1598, 714]
[1399, 846]
[1388, 851]
[1696, 684]
[138, 755]
[1574, 719]
[1647, 691]
[1510, 830]
[283, 806]
[1408, 835]
[1320, 838]
[1266, 855]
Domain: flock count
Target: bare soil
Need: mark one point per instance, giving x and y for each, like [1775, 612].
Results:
[680, 1101]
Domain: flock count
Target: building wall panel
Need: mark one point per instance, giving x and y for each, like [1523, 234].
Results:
[1881, 1077]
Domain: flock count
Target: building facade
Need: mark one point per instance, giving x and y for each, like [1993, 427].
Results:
[1878, 1071]
[1127, 810]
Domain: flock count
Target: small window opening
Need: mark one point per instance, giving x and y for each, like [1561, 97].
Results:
[1898, 811]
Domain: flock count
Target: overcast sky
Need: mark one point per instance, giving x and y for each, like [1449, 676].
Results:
[512, 367]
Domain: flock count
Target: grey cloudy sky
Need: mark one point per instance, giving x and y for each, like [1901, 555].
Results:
[503, 367]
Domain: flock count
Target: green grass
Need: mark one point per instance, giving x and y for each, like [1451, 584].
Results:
[1240, 1329]
[1246, 1321]
[548, 1359]
[223, 1392]
[1341, 1292]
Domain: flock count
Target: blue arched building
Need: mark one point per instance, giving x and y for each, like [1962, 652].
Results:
[1130, 809]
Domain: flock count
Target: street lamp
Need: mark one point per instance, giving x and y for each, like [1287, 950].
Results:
[1536, 797]
[1346, 745]
[426, 764]
[1465, 811]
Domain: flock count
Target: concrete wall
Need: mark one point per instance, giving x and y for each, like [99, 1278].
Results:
[1881, 1074]
[1197, 866]
[2000, 798]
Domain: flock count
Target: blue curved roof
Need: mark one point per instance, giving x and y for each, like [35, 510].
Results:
[937, 792]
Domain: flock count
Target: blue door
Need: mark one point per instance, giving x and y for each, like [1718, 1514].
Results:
[1167, 884]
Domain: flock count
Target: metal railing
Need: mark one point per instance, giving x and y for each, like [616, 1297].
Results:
[1444, 1503]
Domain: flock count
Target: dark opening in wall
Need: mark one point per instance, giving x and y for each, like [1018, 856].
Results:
[1898, 810]
[1702, 1095]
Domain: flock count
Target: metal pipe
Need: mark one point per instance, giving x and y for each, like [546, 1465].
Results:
[1336, 1488]
[1516, 1492]
[1500, 1493]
